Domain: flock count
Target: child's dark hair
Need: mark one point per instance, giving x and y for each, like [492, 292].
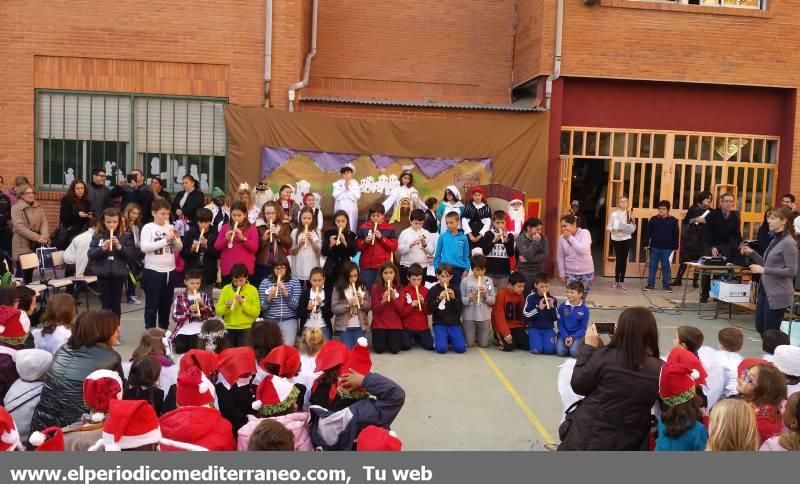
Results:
[431, 202]
[770, 385]
[204, 215]
[569, 218]
[417, 215]
[212, 336]
[395, 279]
[271, 435]
[541, 277]
[316, 270]
[452, 215]
[344, 277]
[415, 270]
[478, 262]
[240, 206]
[239, 271]
[455, 197]
[160, 204]
[342, 213]
[376, 208]
[8, 296]
[264, 336]
[499, 215]
[444, 268]
[26, 295]
[576, 286]
[731, 339]
[664, 204]
[534, 222]
[771, 339]
[311, 227]
[194, 274]
[144, 372]
[678, 419]
[281, 260]
[691, 337]
[516, 278]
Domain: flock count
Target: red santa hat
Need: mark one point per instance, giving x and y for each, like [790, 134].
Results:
[333, 353]
[14, 325]
[194, 389]
[377, 439]
[688, 359]
[132, 424]
[359, 361]
[50, 439]
[235, 363]
[516, 198]
[286, 358]
[275, 395]
[206, 361]
[475, 190]
[677, 383]
[100, 388]
[9, 437]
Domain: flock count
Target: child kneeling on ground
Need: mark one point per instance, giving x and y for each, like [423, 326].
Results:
[507, 314]
[477, 295]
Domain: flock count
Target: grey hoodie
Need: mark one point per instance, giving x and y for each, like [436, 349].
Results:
[475, 311]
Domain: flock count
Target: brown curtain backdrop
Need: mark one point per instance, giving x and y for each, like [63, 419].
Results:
[517, 142]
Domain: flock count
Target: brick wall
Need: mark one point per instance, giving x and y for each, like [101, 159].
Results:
[533, 39]
[443, 50]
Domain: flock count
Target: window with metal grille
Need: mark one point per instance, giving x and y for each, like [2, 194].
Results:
[165, 137]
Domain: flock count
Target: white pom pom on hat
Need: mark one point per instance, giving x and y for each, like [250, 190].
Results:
[362, 341]
[202, 388]
[694, 374]
[98, 417]
[393, 433]
[2, 328]
[37, 438]
[256, 405]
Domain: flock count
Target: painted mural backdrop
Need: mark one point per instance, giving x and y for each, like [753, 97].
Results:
[377, 174]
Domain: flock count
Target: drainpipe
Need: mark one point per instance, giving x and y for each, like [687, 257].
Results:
[548, 89]
[307, 68]
[267, 49]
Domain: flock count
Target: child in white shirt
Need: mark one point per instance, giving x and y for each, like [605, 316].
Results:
[730, 343]
[160, 242]
[415, 245]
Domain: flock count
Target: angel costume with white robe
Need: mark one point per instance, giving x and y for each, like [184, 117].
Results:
[346, 198]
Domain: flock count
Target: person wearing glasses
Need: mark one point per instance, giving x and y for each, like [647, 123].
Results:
[30, 227]
[98, 194]
[723, 236]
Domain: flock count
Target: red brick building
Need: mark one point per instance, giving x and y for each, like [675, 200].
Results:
[649, 98]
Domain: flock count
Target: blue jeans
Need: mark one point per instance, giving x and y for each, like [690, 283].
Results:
[542, 341]
[369, 276]
[158, 294]
[350, 336]
[444, 334]
[563, 350]
[659, 256]
[456, 280]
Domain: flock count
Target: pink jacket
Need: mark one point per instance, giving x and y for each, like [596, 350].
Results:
[575, 254]
[240, 253]
[297, 423]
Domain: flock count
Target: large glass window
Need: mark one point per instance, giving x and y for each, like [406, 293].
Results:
[166, 137]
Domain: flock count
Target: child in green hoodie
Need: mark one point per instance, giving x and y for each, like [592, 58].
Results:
[239, 306]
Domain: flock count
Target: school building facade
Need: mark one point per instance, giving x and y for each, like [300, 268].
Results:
[655, 99]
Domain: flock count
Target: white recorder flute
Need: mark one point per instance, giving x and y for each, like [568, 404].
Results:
[202, 232]
[197, 303]
[305, 236]
[355, 296]
[419, 299]
[374, 231]
[230, 242]
[480, 283]
[277, 282]
[316, 297]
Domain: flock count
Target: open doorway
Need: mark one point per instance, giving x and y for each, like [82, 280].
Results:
[589, 186]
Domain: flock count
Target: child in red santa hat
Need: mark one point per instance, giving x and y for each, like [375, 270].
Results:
[278, 399]
[329, 363]
[284, 361]
[340, 395]
[680, 427]
[99, 389]
[14, 329]
[203, 360]
[235, 388]
[196, 421]
[9, 437]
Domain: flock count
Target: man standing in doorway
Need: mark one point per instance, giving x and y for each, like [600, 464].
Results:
[723, 235]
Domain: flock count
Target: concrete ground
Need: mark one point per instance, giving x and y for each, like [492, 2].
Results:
[490, 400]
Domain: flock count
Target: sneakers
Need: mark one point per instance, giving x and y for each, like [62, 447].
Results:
[649, 287]
[134, 300]
[622, 286]
[668, 288]
[676, 283]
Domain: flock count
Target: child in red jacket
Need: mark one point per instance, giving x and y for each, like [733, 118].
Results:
[764, 388]
[377, 242]
[415, 311]
[387, 310]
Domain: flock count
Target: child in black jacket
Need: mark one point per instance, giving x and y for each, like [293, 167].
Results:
[314, 308]
[198, 251]
[444, 304]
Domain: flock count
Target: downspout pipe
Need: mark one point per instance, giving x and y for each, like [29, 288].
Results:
[267, 49]
[557, 57]
[307, 67]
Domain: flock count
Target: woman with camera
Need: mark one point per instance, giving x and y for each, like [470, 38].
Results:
[778, 268]
[620, 386]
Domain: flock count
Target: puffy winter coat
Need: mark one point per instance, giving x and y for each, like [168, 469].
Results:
[296, 423]
[115, 262]
[201, 426]
[62, 403]
[615, 413]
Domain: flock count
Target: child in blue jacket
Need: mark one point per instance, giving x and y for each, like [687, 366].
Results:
[453, 248]
[541, 311]
[573, 318]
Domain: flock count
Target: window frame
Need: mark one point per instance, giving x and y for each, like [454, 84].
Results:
[132, 159]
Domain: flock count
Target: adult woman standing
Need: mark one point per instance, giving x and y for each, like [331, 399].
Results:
[778, 268]
[30, 227]
[621, 226]
[575, 254]
[694, 234]
[186, 203]
[620, 384]
[75, 213]
[157, 187]
[90, 348]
